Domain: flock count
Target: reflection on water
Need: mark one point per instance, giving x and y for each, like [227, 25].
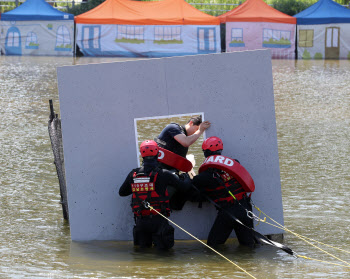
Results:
[312, 112]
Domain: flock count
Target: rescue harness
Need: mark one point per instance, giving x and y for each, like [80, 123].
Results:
[143, 190]
[226, 183]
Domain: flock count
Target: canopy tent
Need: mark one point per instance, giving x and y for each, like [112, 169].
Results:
[36, 28]
[256, 25]
[324, 31]
[151, 29]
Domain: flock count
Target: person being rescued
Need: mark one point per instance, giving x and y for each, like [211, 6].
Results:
[218, 185]
[148, 187]
[178, 139]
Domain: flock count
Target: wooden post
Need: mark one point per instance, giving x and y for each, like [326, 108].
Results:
[55, 133]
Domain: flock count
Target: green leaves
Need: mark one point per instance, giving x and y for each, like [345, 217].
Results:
[291, 7]
[84, 7]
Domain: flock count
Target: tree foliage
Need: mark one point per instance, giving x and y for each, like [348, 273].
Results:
[7, 6]
[291, 7]
[84, 7]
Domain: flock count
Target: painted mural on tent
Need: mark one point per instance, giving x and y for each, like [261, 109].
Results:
[278, 37]
[37, 37]
[324, 41]
[147, 40]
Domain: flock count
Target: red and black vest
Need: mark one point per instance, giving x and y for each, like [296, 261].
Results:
[219, 192]
[143, 189]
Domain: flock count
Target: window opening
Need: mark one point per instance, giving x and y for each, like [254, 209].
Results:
[151, 127]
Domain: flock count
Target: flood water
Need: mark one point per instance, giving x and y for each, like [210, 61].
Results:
[312, 100]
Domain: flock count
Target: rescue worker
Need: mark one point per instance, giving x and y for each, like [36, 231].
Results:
[216, 184]
[148, 186]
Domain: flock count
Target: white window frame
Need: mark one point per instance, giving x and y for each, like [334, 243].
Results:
[31, 38]
[237, 38]
[275, 34]
[130, 32]
[167, 33]
[63, 36]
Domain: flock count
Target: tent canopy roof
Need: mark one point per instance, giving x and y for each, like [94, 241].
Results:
[165, 12]
[35, 10]
[323, 12]
[256, 11]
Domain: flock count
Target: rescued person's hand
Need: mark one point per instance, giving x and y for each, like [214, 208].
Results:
[204, 125]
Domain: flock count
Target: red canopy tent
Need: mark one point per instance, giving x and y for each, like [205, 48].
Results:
[165, 12]
[256, 25]
[147, 29]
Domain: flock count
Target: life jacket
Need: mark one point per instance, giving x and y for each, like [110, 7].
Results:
[232, 167]
[143, 189]
[219, 192]
[173, 160]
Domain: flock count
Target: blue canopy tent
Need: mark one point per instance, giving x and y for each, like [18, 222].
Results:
[36, 28]
[323, 31]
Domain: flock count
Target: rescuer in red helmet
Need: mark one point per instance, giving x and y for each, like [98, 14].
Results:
[217, 184]
[148, 186]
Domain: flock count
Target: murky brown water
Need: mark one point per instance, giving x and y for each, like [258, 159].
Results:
[313, 119]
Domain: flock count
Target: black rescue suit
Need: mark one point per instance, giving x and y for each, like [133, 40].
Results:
[215, 184]
[151, 185]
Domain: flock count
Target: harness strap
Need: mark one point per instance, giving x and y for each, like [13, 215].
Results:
[157, 202]
[239, 192]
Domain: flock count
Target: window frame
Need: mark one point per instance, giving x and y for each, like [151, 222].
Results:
[237, 38]
[130, 32]
[305, 42]
[161, 33]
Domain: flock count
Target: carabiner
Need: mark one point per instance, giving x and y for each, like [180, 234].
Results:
[250, 214]
[145, 204]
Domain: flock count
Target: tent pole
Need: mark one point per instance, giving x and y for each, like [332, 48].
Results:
[75, 40]
[296, 42]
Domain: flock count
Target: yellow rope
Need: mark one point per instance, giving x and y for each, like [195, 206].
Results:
[301, 237]
[298, 235]
[259, 219]
[203, 243]
[321, 261]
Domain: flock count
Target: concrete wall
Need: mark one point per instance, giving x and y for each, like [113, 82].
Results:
[98, 105]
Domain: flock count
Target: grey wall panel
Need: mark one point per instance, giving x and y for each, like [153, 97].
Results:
[100, 101]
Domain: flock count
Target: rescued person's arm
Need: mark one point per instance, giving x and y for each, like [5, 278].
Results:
[187, 141]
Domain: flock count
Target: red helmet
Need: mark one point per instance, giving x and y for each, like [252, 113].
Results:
[149, 148]
[213, 144]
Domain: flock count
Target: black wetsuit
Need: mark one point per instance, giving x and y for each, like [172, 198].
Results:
[154, 228]
[211, 183]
